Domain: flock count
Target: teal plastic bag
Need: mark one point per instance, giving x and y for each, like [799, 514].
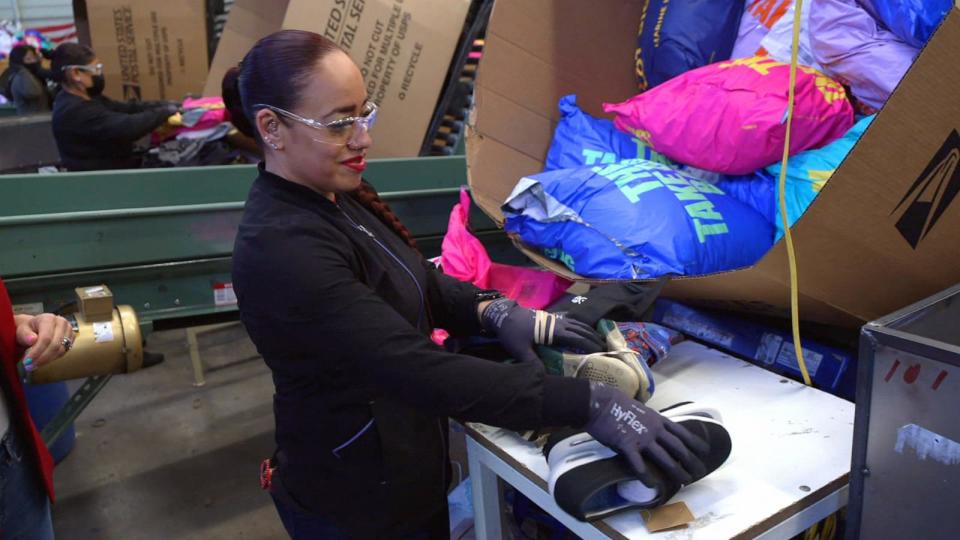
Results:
[808, 172]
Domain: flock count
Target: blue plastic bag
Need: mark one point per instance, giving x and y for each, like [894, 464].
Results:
[635, 219]
[675, 37]
[913, 22]
[757, 190]
[581, 139]
[808, 172]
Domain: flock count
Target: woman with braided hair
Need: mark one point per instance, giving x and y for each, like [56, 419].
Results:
[339, 302]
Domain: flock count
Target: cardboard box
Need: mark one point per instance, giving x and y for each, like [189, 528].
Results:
[150, 50]
[403, 48]
[882, 234]
[248, 21]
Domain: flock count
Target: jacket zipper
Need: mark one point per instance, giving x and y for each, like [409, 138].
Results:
[357, 435]
[406, 269]
[443, 442]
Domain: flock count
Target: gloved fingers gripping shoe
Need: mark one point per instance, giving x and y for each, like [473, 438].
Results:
[618, 366]
[519, 329]
[591, 481]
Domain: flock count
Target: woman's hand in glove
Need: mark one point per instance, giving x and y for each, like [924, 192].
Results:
[519, 329]
[637, 432]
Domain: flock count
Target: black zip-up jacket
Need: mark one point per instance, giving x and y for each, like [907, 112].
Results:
[341, 310]
[99, 133]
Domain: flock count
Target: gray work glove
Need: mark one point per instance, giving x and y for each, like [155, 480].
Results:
[519, 329]
[637, 432]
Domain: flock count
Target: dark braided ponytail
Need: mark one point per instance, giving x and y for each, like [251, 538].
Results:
[369, 199]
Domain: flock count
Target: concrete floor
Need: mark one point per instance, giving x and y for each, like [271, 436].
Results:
[156, 458]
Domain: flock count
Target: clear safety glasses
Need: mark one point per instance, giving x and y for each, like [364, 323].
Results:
[340, 131]
[93, 69]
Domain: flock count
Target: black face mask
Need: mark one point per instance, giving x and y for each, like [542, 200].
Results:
[32, 68]
[98, 84]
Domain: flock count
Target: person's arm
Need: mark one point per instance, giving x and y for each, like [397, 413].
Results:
[27, 87]
[95, 120]
[131, 107]
[453, 303]
[309, 315]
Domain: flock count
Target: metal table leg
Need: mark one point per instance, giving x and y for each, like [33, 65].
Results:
[69, 412]
[486, 496]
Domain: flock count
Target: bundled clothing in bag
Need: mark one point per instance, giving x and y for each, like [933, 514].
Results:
[766, 29]
[729, 117]
[809, 171]
[759, 16]
[913, 22]
[635, 220]
[199, 115]
[581, 139]
[676, 37]
[778, 43]
[757, 190]
[853, 48]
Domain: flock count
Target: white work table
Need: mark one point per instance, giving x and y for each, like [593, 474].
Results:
[788, 468]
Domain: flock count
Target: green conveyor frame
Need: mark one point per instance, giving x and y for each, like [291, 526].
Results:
[162, 238]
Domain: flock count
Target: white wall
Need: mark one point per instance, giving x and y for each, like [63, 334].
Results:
[38, 13]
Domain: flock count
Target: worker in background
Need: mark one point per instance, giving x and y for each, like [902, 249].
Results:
[340, 303]
[26, 468]
[26, 84]
[93, 131]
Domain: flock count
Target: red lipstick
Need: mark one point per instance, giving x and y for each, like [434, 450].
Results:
[357, 163]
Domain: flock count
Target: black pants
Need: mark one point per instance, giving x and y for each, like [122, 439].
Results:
[304, 526]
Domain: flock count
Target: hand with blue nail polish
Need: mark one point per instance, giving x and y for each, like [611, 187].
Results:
[43, 337]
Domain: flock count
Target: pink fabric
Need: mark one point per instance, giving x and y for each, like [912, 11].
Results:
[730, 117]
[465, 258]
[216, 112]
[215, 115]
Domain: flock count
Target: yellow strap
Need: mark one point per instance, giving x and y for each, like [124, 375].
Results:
[788, 238]
[813, 533]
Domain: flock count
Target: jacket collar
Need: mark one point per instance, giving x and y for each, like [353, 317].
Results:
[293, 192]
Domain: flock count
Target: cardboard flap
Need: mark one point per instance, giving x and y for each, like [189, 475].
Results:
[883, 233]
[248, 21]
[537, 51]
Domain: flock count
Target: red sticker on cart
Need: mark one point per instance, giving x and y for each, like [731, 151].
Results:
[223, 294]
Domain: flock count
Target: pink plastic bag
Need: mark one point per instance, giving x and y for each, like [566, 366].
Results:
[465, 258]
[730, 117]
